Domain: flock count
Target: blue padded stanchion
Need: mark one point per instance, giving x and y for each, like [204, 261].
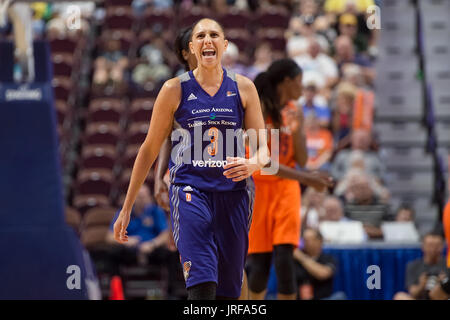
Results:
[37, 248]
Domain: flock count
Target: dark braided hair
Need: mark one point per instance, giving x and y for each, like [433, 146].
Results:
[182, 43]
[266, 84]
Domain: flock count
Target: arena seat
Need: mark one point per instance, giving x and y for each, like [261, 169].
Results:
[98, 157]
[235, 19]
[141, 110]
[63, 45]
[408, 159]
[411, 183]
[137, 132]
[118, 3]
[88, 201]
[95, 236]
[62, 64]
[153, 17]
[62, 87]
[102, 216]
[400, 105]
[272, 17]
[102, 133]
[401, 134]
[95, 181]
[129, 155]
[106, 110]
[119, 17]
[189, 17]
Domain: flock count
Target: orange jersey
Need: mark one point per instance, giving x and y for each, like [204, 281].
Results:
[446, 223]
[276, 211]
[285, 148]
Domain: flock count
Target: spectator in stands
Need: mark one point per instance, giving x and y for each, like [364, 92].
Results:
[152, 69]
[405, 214]
[230, 59]
[262, 59]
[352, 73]
[139, 6]
[110, 65]
[297, 35]
[315, 270]
[345, 53]
[423, 274]
[362, 203]
[333, 210]
[311, 105]
[148, 234]
[342, 118]
[319, 143]
[348, 26]
[357, 168]
[361, 141]
[335, 7]
[312, 208]
[314, 61]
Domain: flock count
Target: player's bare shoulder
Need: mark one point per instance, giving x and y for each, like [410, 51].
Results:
[170, 93]
[246, 87]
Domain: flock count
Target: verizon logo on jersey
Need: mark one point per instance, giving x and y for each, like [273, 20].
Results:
[209, 163]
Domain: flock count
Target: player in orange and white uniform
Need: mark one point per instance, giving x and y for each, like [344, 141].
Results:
[275, 227]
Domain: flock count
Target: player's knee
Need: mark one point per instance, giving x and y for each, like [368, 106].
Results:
[284, 267]
[258, 271]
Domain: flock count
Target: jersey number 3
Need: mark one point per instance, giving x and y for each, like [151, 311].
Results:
[214, 134]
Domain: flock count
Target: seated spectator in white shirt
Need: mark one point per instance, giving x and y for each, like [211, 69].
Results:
[361, 140]
[314, 60]
[300, 29]
[333, 211]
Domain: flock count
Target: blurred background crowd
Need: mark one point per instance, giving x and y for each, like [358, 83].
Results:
[365, 102]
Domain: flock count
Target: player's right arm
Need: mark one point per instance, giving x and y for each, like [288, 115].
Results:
[161, 190]
[316, 179]
[160, 126]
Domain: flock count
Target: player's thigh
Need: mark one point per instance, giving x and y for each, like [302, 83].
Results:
[232, 211]
[192, 220]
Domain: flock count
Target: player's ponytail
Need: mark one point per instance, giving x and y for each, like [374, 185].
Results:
[268, 97]
[266, 84]
[182, 43]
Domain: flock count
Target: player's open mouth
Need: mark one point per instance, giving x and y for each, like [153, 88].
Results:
[209, 53]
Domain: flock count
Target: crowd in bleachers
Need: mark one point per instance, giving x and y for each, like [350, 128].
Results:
[109, 68]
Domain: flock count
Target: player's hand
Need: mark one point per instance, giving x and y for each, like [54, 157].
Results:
[120, 227]
[239, 169]
[162, 194]
[320, 180]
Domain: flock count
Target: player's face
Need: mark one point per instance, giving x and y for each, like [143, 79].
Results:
[295, 87]
[208, 43]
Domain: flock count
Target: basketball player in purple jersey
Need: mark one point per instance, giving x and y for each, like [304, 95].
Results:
[211, 199]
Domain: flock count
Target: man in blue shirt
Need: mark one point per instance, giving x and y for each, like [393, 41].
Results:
[148, 229]
[310, 106]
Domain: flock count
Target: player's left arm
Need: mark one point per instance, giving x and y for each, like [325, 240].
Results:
[299, 139]
[239, 168]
